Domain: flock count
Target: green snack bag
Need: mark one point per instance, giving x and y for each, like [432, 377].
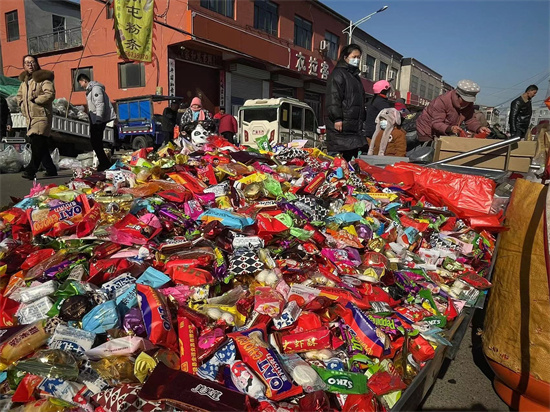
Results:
[343, 382]
[263, 143]
[273, 187]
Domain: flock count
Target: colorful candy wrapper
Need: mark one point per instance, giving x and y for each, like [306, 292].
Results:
[302, 373]
[316, 339]
[72, 340]
[189, 392]
[343, 382]
[34, 311]
[156, 316]
[101, 318]
[257, 354]
[54, 363]
[268, 302]
[187, 344]
[223, 356]
[246, 381]
[383, 382]
[363, 330]
[65, 214]
[124, 346]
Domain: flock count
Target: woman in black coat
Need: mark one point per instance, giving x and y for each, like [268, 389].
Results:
[345, 105]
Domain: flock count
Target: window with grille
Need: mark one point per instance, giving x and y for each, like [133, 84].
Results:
[422, 88]
[332, 42]
[371, 61]
[223, 7]
[382, 71]
[414, 84]
[131, 75]
[12, 25]
[303, 32]
[266, 16]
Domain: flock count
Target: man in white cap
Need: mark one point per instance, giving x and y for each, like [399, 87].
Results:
[445, 113]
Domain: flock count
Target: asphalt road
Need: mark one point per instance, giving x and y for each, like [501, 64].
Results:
[465, 384]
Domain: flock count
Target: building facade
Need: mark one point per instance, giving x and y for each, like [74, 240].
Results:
[378, 62]
[225, 52]
[418, 83]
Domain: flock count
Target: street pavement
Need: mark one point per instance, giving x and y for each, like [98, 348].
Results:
[465, 384]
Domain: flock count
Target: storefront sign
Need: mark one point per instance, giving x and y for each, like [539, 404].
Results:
[133, 29]
[416, 100]
[309, 65]
[222, 88]
[171, 77]
[198, 57]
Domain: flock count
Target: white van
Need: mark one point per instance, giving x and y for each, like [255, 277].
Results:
[281, 120]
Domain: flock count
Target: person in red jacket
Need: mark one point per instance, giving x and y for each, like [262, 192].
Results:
[445, 113]
[228, 127]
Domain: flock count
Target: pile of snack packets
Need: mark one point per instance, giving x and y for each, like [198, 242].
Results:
[226, 279]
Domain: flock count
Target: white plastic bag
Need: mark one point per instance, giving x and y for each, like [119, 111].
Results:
[55, 157]
[26, 155]
[69, 163]
[86, 159]
[10, 160]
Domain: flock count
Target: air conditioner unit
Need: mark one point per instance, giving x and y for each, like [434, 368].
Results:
[323, 45]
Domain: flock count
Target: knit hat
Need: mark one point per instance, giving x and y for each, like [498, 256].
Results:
[197, 101]
[468, 90]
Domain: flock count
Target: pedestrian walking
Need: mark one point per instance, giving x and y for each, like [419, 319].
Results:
[521, 111]
[100, 112]
[345, 105]
[35, 97]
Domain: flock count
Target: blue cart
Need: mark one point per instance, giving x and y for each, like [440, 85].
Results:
[138, 125]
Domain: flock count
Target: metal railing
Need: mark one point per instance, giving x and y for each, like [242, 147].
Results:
[59, 40]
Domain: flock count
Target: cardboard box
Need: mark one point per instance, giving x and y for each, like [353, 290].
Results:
[520, 157]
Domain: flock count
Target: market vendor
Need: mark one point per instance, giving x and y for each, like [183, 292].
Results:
[195, 114]
[445, 113]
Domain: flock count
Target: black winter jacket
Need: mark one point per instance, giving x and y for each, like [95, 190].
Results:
[5, 116]
[344, 102]
[520, 116]
[374, 106]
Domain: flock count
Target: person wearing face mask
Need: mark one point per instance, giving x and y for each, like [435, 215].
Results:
[377, 103]
[194, 115]
[445, 113]
[388, 137]
[521, 111]
[345, 105]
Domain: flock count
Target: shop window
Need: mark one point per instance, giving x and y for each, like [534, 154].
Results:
[332, 42]
[131, 75]
[266, 16]
[223, 7]
[297, 115]
[382, 70]
[310, 121]
[88, 71]
[284, 115]
[371, 61]
[58, 29]
[422, 88]
[414, 84]
[303, 32]
[12, 25]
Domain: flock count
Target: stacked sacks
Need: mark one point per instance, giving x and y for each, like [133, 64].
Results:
[226, 279]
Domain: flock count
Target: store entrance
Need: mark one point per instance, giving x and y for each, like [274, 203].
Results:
[198, 81]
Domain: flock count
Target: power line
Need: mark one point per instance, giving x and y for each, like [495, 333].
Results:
[517, 84]
[537, 82]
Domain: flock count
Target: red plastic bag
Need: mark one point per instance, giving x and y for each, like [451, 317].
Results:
[491, 223]
[403, 177]
[465, 195]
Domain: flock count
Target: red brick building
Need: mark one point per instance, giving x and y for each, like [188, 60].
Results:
[225, 51]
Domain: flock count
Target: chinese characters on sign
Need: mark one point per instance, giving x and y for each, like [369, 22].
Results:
[133, 29]
[309, 65]
[171, 77]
